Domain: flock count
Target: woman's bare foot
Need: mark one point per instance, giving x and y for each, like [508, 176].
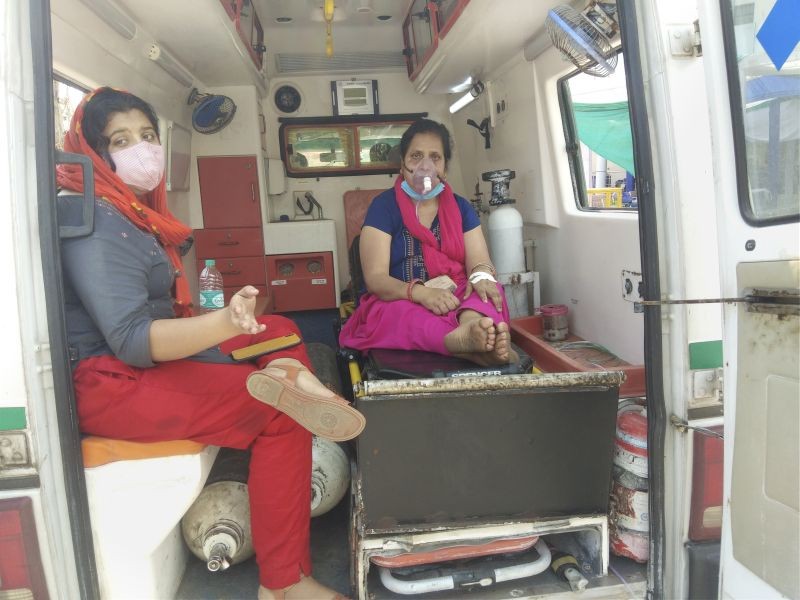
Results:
[472, 335]
[307, 588]
[501, 354]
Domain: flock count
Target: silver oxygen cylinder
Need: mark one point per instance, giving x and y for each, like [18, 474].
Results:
[216, 528]
[330, 475]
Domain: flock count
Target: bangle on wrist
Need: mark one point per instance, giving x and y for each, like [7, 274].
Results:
[410, 287]
[488, 266]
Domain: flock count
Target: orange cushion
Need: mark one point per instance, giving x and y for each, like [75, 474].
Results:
[99, 451]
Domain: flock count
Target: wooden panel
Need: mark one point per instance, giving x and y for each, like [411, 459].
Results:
[221, 243]
[526, 332]
[229, 191]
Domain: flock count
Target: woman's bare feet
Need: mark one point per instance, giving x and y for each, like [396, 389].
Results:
[501, 352]
[472, 335]
[307, 588]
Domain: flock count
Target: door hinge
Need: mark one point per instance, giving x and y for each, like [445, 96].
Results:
[706, 387]
[784, 302]
[684, 39]
[14, 450]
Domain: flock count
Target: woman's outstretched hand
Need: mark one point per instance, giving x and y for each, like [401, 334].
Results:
[242, 310]
[486, 290]
[438, 301]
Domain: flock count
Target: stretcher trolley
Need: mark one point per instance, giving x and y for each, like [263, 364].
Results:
[473, 479]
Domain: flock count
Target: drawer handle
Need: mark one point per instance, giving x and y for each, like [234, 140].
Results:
[234, 243]
[231, 272]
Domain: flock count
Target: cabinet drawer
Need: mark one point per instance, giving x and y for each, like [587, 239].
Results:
[221, 243]
[239, 271]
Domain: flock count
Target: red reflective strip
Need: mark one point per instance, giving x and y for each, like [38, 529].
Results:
[20, 561]
[707, 470]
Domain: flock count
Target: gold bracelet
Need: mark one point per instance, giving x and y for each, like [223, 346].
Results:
[489, 266]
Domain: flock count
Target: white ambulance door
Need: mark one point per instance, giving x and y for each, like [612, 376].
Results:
[753, 78]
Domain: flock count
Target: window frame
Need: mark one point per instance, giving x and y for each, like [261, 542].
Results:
[573, 149]
[737, 123]
[350, 123]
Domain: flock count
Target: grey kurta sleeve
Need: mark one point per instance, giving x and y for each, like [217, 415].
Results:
[113, 289]
[122, 278]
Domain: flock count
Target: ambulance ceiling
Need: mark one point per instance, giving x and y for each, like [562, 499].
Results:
[367, 35]
[198, 39]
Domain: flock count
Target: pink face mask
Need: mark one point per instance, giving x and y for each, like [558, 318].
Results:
[141, 166]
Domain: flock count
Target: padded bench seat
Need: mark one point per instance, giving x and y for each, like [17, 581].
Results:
[98, 451]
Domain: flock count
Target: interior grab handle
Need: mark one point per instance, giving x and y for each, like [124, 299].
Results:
[87, 222]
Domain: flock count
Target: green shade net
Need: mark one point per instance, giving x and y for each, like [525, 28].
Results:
[606, 129]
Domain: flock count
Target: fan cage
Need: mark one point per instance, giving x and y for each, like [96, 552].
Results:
[580, 41]
[213, 113]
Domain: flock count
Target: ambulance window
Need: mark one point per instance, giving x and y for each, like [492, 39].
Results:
[764, 78]
[599, 143]
[66, 97]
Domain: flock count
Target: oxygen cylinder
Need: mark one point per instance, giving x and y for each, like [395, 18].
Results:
[330, 475]
[628, 510]
[505, 240]
[216, 528]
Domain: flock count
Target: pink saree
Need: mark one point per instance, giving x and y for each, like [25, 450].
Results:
[405, 325]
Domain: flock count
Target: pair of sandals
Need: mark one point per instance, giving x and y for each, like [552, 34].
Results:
[326, 416]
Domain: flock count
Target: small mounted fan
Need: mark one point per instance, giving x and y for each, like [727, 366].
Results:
[581, 41]
[212, 113]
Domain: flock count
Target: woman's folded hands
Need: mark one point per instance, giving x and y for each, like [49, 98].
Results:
[436, 300]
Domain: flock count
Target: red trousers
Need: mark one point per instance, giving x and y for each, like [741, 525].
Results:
[209, 403]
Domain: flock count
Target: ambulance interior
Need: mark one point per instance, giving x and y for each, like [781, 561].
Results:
[275, 112]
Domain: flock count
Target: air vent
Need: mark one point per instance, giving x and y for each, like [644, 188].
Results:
[343, 61]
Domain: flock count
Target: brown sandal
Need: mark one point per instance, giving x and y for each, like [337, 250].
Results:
[330, 417]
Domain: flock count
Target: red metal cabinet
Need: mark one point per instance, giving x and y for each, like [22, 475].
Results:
[238, 272]
[301, 281]
[233, 234]
[229, 191]
[220, 243]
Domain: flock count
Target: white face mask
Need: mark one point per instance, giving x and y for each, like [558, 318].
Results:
[141, 166]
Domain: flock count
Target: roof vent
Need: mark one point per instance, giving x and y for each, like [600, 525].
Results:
[344, 61]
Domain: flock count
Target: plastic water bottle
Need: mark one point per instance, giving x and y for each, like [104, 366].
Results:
[211, 297]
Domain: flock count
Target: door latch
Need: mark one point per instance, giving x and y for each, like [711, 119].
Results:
[779, 302]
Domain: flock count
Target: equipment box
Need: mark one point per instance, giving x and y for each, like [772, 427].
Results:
[473, 456]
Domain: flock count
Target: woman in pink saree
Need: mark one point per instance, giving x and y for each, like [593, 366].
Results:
[430, 282]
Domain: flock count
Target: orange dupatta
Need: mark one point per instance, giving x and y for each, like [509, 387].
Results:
[150, 214]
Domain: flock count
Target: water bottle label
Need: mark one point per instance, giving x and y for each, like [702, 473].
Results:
[211, 299]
